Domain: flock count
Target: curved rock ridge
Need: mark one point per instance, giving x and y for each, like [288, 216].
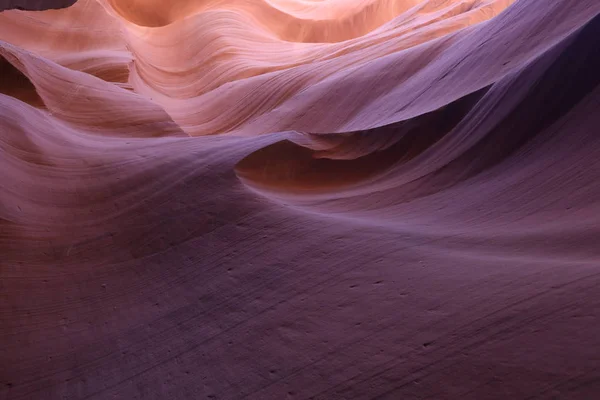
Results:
[300, 199]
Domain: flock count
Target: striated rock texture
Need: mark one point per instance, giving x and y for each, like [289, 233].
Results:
[286, 199]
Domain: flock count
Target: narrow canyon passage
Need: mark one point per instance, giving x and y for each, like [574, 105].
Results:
[286, 199]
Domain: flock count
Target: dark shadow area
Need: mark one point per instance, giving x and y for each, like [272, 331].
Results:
[35, 5]
[15, 84]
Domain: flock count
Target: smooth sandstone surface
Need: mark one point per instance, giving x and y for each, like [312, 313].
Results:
[287, 199]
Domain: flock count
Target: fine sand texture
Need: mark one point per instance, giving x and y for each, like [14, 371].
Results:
[300, 199]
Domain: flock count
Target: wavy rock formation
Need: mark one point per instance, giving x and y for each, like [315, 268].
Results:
[286, 199]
